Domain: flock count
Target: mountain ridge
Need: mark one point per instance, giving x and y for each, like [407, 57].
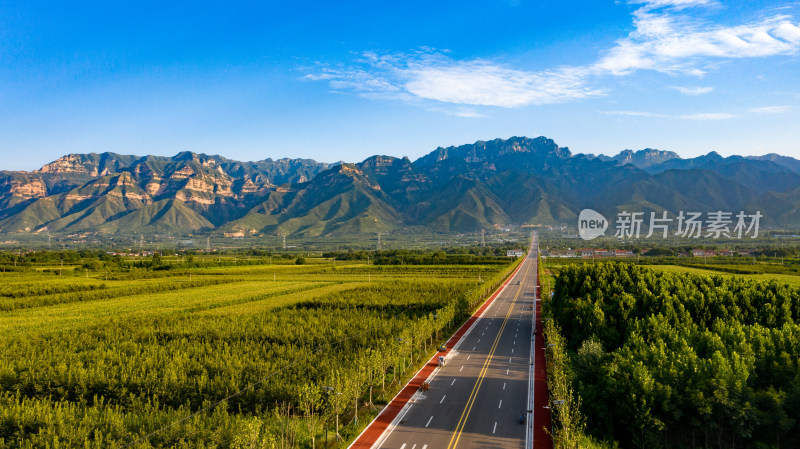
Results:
[498, 182]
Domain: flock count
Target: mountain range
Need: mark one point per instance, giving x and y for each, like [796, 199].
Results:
[463, 188]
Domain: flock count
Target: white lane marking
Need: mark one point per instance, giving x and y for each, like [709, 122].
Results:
[498, 405]
[412, 447]
[451, 383]
[506, 372]
[504, 385]
[494, 429]
[479, 340]
[426, 425]
[442, 399]
[512, 351]
[473, 348]
[424, 446]
[469, 356]
[509, 359]
[462, 367]
[403, 446]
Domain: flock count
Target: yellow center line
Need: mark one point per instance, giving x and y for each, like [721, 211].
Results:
[462, 421]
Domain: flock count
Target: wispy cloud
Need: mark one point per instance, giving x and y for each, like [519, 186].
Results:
[678, 4]
[667, 38]
[458, 111]
[772, 110]
[635, 114]
[697, 116]
[431, 75]
[671, 42]
[708, 116]
[692, 91]
[489, 84]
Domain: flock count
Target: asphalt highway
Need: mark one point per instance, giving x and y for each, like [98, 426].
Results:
[476, 400]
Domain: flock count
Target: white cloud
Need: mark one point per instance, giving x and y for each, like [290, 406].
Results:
[677, 4]
[772, 110]
[708, 116]
[697, 116]
[459, 111]
[669, 42]
[488, 84]
[693, 91]
[634, 114]
[666, 38]
[431, 75]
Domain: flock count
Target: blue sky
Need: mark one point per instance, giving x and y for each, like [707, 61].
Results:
[345, 80]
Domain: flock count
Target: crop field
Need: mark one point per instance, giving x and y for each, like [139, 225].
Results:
[143, 358]
[793, 280]
[761, 272]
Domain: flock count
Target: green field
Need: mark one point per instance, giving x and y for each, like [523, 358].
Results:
[101, 359]
[790, 279]
[763, 271]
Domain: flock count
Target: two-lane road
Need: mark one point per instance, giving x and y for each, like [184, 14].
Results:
[476, 400]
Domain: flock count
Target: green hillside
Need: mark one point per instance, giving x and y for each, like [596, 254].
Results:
[463, 188]
[161, 216]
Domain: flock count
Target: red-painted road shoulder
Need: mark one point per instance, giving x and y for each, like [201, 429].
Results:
[541, 396]
[376, 428]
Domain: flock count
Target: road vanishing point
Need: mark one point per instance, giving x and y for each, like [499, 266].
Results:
[492, 377]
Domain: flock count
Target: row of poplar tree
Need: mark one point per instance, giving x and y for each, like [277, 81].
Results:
[679, 360]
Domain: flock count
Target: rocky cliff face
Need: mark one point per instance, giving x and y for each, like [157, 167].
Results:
[24, 188]
[73, 164]
[540, 148]
[644, 158]
[212, 186]
[459, 188]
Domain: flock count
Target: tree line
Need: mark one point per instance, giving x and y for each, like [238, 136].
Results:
[678, 360]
